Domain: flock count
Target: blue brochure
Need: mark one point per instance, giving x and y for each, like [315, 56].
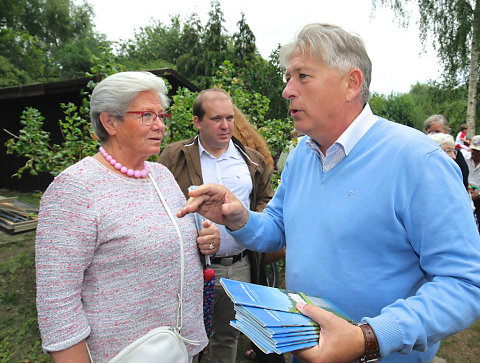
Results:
[247, 294]
[268, 317]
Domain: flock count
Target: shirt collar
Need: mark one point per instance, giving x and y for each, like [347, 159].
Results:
[357, 129]
[350, 137]
[229, 153]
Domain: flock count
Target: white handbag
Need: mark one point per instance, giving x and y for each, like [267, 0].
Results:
[159, 345]
[163, 344]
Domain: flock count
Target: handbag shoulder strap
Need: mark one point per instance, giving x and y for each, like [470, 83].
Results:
[180, 241]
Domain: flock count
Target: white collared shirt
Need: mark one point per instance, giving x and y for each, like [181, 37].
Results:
[231, 170]
[347, 140]
[473, 172]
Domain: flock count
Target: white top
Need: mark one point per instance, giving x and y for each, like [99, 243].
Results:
[473, 172]
[231, 170]
[459, 142]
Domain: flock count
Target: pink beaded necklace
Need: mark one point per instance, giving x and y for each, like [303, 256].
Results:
[130, 172]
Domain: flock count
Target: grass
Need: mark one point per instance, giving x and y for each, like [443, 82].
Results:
[19, 335]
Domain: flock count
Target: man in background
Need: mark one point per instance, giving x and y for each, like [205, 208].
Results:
[215, 156]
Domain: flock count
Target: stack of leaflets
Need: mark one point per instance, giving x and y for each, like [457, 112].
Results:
[269, 318]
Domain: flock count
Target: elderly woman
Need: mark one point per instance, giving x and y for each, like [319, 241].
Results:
[446, 142]
[436, 124]
[108, 255]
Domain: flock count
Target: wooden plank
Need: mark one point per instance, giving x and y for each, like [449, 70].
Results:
[24, 226]
[16, 216]
[7, 199]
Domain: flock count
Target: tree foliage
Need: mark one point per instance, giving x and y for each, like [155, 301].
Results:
[197, 52]
[153, 46]
[244, 47]
[434, 98]
[423, 101]
[46, 40]
[400, 108]
[270, 83]
[455, 27]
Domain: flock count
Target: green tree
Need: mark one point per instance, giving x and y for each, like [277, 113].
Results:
[422, 101]
[180, 126]
[244, 47]
[21, 53]
[214, 43]
[48, 39]
[198, 52]
[400, 108]
[252, 103]
[270, 83]
[72, 52]
[434, 98]
[190, 63]
[33, 142]
[455, 25]
[11, 75]
[153, 46]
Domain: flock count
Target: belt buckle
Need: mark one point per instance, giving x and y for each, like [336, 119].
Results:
[226, 261]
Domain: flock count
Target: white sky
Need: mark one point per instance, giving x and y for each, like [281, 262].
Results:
[396, 53]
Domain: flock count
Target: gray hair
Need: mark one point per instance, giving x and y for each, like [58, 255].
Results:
[436, 119]
[442, 139]
[115, 93]
[336, 48]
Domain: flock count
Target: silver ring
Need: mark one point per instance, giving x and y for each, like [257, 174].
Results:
[212, 246]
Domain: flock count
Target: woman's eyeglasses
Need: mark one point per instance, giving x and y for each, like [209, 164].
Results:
[451, 152]
[149, 117]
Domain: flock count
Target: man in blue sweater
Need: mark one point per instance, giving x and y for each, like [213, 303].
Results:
[368, 211]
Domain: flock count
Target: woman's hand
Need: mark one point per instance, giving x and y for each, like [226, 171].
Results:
[208, 240]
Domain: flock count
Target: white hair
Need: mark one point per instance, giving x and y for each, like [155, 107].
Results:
[442, 139]
[115, 93]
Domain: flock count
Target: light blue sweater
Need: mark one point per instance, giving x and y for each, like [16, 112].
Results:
[388, 234]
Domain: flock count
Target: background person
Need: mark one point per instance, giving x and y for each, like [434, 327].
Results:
[438, 124]
[446, 142]
[473, 163]
[461, 140]
[107, 254]
[214, 156]
[400, 265]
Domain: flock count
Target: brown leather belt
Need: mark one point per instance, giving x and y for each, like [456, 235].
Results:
[228, 260]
